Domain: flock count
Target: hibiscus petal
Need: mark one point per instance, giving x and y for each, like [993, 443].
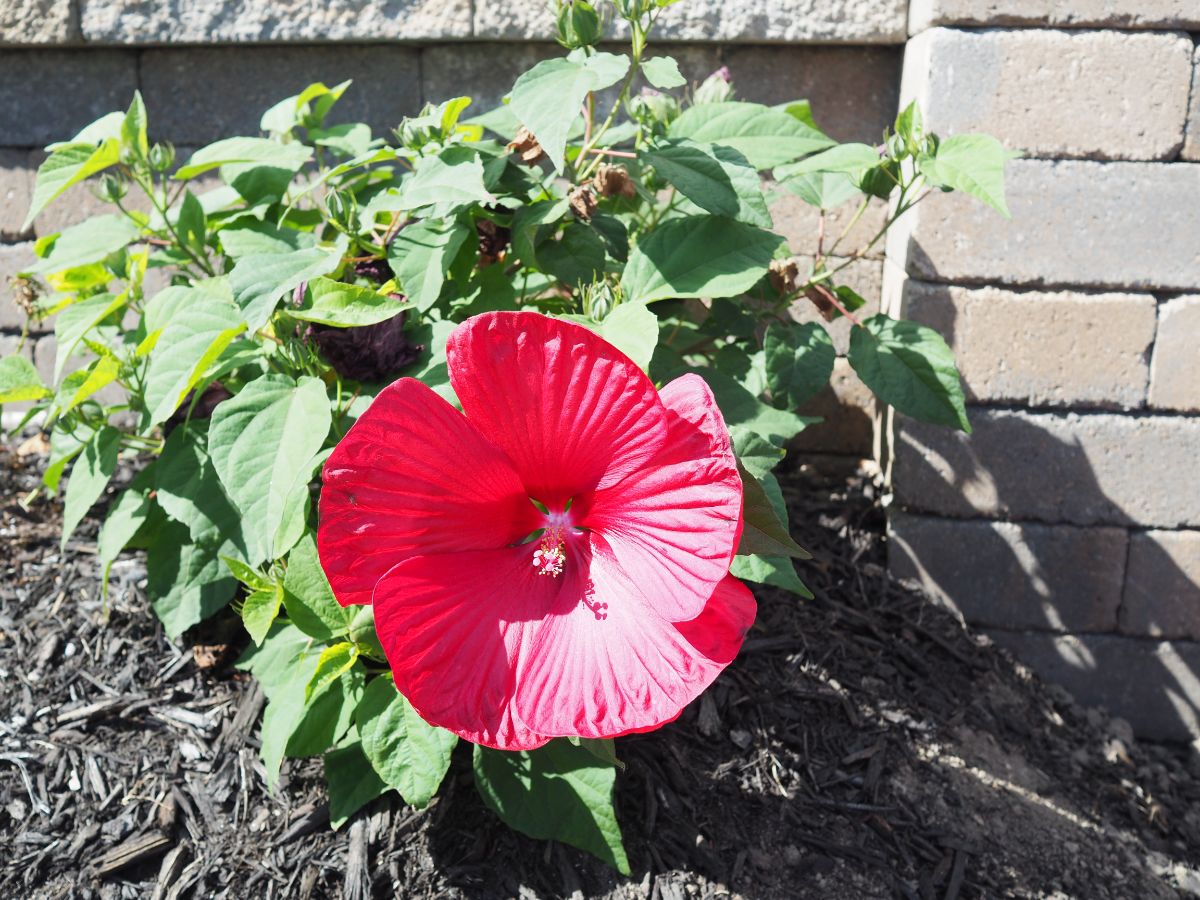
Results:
[413, 476]
[571, 411]
[675, 525]
[630, 671]
[453, 626]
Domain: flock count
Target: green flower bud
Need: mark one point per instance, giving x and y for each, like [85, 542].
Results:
[579, 25]
[111, 188]
[161, 156]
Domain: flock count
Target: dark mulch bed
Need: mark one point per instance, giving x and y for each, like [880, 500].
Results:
[863, 745]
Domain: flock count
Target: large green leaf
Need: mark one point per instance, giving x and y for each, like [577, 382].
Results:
[308, 597]
[69, 164]
[89, 476]
[100, 374]
[259, 151]
[558, 792]
[799, 360]
[663, 72]
[633, 329]
[76, 321]
[972, 163]
[273, 663]
[263, 239]
[352, 782]
[741, 407]
[824, 190]
[125, 517]
[260, 280]
[189, 491]
[698, 256]
[89, 241]
[305, 726]
[408, 753]
[263, 443]
[766, 137]
[715, 177]
[547, 98]
[19, 380]
[187, 581]
[421, 255]
[452, 179]
[765, 532]
[577, 257]
[346, 305]
[910, 367]
[259, 610]
[194, 337]
[844, 159]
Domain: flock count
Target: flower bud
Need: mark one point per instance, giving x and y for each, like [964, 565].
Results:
[579, 25]
[161, 156]
[343, 210]
[716, 88]
[111, 188]
[654, 107]
[879, 181]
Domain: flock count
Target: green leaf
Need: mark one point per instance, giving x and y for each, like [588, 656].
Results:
[19, 380]
[67, 165]
[333, 663]
[273, 662]
[247, 575]
[187, 581]
[576, 258]
[764, 532]
[89, 477]
[714, 177]
[452, 179]
[633, 329]
[846, 159]
[663, 72]
[260, 280]
[972, 163]
[101, 374]
[547, 98]
[77, 320]
[799, 361]
[421, 254]
[766, 137]
[260, 151]
[558, 792]
[824, 190]
[88, 242]
[526, 222]
[125, 517]
[352, 782]
[778, 571]
[741, 407]
[698, 256]
[263, 239]
[308, 597]
[604, 749]
[133, 127]
[259, 611]
[188, 490]
[190, 222]
[409, 754]
[909, 124]
[194, 337]
[263, 443]
[910, 367]
[347, 305]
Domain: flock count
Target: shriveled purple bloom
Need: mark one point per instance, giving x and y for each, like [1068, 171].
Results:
[216, 393]
[376, 270]
[376, 352]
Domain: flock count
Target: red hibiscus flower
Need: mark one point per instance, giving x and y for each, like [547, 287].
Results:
[553, 560]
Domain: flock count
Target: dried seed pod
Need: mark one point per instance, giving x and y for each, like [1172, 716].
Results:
[612, 181]
[820, 296]
[526, 146]
[582, 201]
[784, 275]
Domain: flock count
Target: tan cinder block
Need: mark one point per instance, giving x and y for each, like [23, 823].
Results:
[1175, 370]
[1058, 13]
[239, 21]
[853, 90]
[846, 406]
[37, 22]
[799, 223]
[1191, 138]
[863, 276]
[1087, 224]
[1151, 684]
[1084, 469]
[16, 190]
[1095, 94]
[747, 21]
[1013, 575]
[1040, 348]
[1162, 585]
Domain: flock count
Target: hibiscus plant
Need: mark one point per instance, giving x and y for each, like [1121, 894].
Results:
[473, 423]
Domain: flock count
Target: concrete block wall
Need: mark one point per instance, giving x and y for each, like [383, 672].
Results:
[208, 71]
[1068, 523]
